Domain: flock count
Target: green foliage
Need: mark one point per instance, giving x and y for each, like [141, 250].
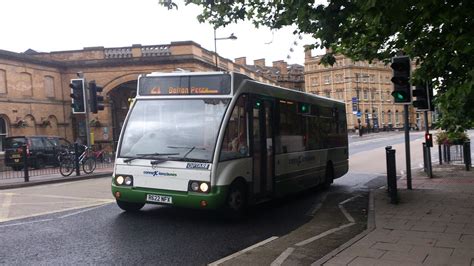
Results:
[438, 35]
[443, 137]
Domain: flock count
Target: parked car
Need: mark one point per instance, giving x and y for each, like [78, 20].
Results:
[40, 151]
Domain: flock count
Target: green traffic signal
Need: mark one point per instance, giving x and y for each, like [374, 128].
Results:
[399, 96]
[401, 79]
[304, 108]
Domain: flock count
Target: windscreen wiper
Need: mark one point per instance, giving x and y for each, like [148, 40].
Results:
[188, 159]
[147, 155]
[186, 147]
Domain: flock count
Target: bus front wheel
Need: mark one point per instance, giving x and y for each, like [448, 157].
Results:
[130, 206]
[236, 199]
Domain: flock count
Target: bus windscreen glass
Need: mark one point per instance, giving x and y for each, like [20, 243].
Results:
[185, 85]
[186, 128]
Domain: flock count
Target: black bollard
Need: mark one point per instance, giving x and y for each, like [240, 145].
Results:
[391, 175]
[25, 163]
[425, 161]
[440, 154]
[76, 158]
[467, 155]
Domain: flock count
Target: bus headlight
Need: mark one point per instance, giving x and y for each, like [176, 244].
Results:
[194, 186]
[128, 181]
[199, 186]
[125, 180]
[204, 187]
[119, 180]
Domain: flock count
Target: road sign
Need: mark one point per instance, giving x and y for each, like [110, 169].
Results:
[359, 115]
[354, 108]
[355, 105]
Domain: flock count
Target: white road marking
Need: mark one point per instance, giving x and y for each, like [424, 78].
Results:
[309, 240]
[243, 251]
[5, 207]
[344, 211]
[24, 223]
[81, 211]
[318, 205]
[282, 257]
[56, 211]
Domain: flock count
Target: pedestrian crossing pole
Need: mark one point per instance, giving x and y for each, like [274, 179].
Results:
[407, 146]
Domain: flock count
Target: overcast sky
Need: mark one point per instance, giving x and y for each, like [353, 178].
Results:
[58, 25]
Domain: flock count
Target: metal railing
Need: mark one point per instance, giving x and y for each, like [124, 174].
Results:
[23, 166]
[456, 154]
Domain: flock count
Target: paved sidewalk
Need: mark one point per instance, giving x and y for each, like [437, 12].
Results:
[432, 225]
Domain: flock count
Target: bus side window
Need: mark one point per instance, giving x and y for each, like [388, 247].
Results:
[235, 144]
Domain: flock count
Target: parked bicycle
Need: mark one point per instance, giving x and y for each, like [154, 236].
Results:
[103, 156]
[67, 162]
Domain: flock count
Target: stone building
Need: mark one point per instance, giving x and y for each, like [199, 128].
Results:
[35, 94]
[284, 75]
[365, 88]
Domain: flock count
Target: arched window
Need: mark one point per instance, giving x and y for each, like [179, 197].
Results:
[3, 132]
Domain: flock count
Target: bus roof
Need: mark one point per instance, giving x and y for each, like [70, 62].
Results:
[237, 88]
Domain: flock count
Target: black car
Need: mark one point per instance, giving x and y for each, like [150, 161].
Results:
[40, 151]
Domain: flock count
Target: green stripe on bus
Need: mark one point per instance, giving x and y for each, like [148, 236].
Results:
[215, 199]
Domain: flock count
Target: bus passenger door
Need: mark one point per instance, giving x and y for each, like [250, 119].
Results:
[262, 144]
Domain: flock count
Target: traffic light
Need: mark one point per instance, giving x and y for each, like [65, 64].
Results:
[303, 108]
[78, 101]
[401, 79]
[424, 97]
[96, 101]
[429, 140]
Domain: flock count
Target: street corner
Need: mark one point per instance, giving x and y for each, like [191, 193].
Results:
[27, 202]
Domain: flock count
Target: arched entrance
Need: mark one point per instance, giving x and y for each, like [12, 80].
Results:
[119, 104]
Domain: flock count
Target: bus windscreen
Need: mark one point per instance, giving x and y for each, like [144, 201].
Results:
[185, 85]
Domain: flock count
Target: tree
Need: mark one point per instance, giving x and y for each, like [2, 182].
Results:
[438, 35]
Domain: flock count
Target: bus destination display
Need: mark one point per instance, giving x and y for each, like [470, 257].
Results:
[185, 85]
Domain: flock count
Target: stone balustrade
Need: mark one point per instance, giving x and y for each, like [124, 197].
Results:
[155, 50]
[123, 52]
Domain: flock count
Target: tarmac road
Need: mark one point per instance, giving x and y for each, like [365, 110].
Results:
[75, 223]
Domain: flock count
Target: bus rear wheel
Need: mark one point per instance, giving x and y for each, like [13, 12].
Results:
[130, 206]
[236, 203]
[329, 178]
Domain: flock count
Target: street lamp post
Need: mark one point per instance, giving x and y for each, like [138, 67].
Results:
[231, 37]
[357, 77]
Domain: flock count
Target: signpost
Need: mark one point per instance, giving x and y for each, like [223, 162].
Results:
[355, 105]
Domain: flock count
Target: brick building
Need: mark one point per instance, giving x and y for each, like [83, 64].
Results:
[284, 75]
[35, 94]
[364, 87]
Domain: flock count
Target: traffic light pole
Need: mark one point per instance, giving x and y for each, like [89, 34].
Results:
[428, 148]
[407, 145]
[88, 128]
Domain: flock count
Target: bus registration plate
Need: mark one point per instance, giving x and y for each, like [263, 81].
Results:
[159, 198]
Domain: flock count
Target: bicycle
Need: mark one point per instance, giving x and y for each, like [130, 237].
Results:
[67, 162]
[102, 156]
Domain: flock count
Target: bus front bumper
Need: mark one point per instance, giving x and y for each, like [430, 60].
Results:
[213, 200]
